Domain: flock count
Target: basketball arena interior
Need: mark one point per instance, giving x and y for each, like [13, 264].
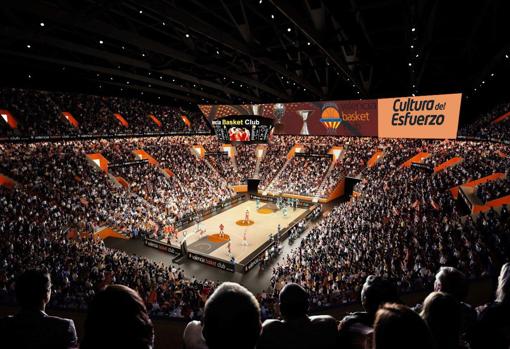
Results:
[254, 174]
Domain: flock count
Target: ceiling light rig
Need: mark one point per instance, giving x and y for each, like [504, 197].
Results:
[413, 60]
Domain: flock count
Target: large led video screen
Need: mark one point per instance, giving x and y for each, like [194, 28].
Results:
[435, 116]
[243, 128]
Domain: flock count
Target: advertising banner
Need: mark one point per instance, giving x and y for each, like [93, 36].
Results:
[435, 116]
[337, 118]
[218, 263]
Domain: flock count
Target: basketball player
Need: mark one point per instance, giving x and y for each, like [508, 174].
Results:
[247, 216]
[245, 241]
[229, 251]
[244, 135]
[257, 203]
[222, 233]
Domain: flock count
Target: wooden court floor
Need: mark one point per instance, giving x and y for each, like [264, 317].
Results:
[259, 232]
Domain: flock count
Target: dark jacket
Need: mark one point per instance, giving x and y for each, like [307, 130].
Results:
[36, 329]
[314, 332]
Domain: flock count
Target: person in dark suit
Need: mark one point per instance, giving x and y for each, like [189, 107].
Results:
[31, 327]
[297, 330]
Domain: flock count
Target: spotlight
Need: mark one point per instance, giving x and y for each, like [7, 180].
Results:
[41, 24]
[289, 29]
[101, 42]
[187, 35]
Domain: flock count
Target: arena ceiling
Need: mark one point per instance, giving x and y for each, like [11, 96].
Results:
[231, 51]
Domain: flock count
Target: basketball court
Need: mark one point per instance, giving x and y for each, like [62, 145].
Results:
[206, 239]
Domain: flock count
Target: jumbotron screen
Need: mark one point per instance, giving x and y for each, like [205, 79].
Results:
[243, 128]
[434, 116]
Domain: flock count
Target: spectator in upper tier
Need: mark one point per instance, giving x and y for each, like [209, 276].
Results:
[441, 312]
[297, 329]
[31, 327]
[493, 326]
[231, 320]
[398, 327]
[355, 328]
[117, 318]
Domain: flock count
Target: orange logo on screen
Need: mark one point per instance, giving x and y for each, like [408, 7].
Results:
[330, 117]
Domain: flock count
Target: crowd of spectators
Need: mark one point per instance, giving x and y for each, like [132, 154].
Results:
[488, 127]
[61, 173]
[493, 190]
[246, 160]
[311, 172]
[81, 266]
[232, 318]
[403, 227]
[39, 113]
[302, 175]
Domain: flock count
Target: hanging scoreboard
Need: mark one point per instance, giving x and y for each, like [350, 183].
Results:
[243, 128]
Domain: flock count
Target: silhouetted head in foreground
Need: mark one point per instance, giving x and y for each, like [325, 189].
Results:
[33, 290]
[293, 301]
[452, 281]
[231, 318]
[117, 318]
[398, 327]
[377, 291]
[441, 312]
